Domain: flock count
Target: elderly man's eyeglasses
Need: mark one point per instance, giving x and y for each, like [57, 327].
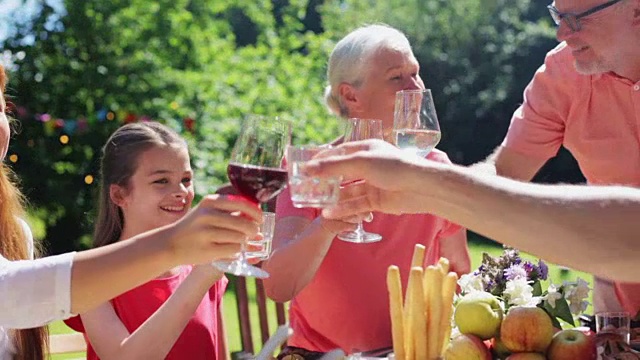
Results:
[573, 20]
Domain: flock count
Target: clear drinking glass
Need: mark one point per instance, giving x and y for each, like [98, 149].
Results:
[256, 172]
[415, 122]
[361, 129]
[618, 323]
[307, 191]
[264, 246]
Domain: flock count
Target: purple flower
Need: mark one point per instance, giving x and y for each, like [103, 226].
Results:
[529, 267]
[515, 272]
[543, 270]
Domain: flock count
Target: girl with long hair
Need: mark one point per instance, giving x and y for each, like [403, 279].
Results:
[146, 183]
[34, 292]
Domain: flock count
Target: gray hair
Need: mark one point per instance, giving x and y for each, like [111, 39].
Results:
[350, 59]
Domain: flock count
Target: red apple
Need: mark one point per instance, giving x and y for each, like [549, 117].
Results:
[527, 356]
[572, 344]
[526, 329]
[467, 347]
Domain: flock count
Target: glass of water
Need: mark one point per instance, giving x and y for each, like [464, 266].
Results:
[617, 323]
[415, 122]
[308, 191]
[263, 247]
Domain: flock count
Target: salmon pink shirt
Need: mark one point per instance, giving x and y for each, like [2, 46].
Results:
[346, 304]
[596, 117]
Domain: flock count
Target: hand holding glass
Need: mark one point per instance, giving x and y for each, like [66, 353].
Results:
[415, 122]
[307, 191]
[255, 172]
[361, 129]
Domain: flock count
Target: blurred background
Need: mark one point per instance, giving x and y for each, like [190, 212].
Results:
[80, 68]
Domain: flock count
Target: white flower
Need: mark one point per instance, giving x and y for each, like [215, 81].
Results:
[470, 283]
[552, 295]
[578, 308]
[520, 293]
[576, 293]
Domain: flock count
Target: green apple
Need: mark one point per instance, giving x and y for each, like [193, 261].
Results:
[479, 314]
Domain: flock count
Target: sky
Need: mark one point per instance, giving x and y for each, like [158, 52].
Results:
[12, 11]
[9, 8]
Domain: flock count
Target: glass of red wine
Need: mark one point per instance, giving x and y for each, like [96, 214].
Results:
[255, 171]
[361, 129]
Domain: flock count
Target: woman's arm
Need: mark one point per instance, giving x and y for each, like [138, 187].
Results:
[299, 245]
[454, 248]
[157, 335]
[35, 292]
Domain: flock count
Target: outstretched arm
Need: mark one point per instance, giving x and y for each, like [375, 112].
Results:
[35, 292]
[592, 229]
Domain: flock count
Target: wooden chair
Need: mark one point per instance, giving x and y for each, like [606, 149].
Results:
[242, 301]
[67, 343]
[242, 298]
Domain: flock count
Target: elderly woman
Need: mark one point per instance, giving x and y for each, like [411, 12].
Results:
[338, 289]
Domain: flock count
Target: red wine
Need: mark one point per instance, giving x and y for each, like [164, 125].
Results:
[257, 184]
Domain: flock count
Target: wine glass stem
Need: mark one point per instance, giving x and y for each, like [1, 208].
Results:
[359, 228]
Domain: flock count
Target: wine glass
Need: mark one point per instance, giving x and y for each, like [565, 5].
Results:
[415, 122]
[255, 171]
[361, 129]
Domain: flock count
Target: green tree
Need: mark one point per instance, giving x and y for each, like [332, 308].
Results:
[100, 64]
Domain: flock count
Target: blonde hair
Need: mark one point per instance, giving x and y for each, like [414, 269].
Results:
[349, 60]
[32, 344]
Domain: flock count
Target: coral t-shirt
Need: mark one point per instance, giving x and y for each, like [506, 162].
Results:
[596, 117]
[346, 304]
[199, 339]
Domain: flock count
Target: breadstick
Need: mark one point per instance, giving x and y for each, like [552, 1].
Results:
[448, 290]
[417, 312]
[395, 309]
[443, 263]
[434, 279]
[418, 255]
[409, 348]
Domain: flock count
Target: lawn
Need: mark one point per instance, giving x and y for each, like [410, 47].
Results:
[477, 247]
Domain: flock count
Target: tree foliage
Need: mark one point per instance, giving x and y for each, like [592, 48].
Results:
[201, 66]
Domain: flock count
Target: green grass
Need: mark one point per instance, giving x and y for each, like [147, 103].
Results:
[476, 246]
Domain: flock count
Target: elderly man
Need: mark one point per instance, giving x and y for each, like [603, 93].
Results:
[585, 97]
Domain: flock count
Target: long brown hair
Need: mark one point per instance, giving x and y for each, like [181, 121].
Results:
[119, 162]
[32, 344]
